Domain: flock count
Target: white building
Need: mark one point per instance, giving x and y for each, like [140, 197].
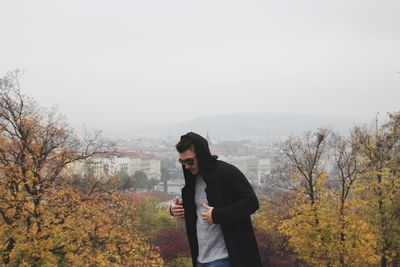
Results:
[264, 170]
[134, 165]
[254, 168]
[107, 166]
[152, 168]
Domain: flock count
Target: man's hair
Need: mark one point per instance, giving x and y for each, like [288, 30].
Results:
[184, 144]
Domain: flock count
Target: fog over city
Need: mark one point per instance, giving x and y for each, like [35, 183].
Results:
[120, 65]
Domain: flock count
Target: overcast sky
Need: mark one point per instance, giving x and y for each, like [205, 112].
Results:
[124, 63]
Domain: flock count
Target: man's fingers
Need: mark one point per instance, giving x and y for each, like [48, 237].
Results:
[206, 216]
[177, 208]
[206, 219]
[178, 211]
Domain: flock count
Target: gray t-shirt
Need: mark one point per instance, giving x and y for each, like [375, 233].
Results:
[210, 240]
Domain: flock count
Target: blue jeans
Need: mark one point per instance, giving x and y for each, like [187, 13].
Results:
[217, 263]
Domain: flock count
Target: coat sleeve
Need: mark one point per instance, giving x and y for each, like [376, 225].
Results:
[245, 201]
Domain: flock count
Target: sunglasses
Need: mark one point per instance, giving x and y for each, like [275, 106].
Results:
[189, 161]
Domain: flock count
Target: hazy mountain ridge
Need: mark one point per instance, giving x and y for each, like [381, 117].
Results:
[258, 125]
[241, 126]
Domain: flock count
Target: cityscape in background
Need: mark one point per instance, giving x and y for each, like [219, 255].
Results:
[157, 158]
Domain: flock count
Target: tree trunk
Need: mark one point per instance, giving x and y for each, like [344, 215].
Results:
[383, 261]
[9, 248]
[166, 186]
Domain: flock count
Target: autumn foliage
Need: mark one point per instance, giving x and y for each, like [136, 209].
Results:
[172, 243]
[164, 231]
[337, 198]
[46, 218]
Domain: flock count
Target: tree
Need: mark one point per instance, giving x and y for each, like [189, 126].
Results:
[167, 167]
[305, 162]
[379, 156]
[354, 241]
[325, 225]
[46, 219]
[342, 196]
[126, 181]
[36, 146]
[165, 178]
[141, 181]
[307, 178]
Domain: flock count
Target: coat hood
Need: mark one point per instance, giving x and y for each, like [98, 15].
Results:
[203, 154]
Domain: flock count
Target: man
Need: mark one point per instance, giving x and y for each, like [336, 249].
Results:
[217, 201]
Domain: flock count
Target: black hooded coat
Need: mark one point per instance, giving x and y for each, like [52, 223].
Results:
[233, 199]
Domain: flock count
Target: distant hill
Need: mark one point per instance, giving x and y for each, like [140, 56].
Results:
[242, 126]
[233, 126]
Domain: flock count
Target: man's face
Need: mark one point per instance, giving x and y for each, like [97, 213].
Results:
[186, 158]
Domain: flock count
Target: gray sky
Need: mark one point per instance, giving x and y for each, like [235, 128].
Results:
[116, 63]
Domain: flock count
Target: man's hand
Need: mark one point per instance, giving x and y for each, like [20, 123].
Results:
[177, 209]
[207, 215]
